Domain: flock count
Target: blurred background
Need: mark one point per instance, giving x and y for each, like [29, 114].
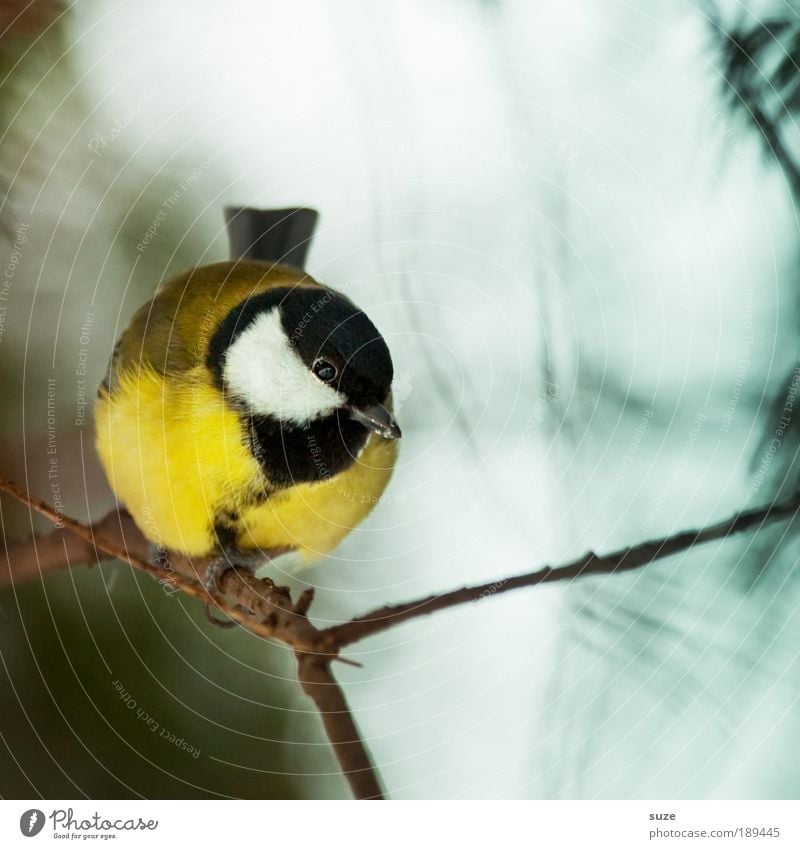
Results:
[575, 224]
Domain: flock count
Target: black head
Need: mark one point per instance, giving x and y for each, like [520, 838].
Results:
[304, 353]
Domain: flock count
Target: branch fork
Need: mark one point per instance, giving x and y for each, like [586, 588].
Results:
[268, 611]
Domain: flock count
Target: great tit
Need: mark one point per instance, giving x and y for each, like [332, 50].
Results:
[247, 408]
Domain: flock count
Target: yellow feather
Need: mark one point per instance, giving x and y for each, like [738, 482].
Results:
[314, 518]
[176, 455]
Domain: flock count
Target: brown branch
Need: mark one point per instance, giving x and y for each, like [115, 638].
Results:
[623, 560]
[318, 683]
[35, 558]
[258, 605]
[268, 611]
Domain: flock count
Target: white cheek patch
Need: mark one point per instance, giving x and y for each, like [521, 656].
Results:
[263, 370]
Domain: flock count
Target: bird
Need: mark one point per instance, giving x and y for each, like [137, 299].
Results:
[247, 411]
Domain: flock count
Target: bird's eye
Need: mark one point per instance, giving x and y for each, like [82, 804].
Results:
[324, 370]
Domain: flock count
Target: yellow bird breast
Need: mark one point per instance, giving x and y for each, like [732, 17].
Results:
[178, 457]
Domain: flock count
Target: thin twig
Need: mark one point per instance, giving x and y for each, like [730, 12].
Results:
[318, 683]
[632, 557]
[259, 605]
[268, 611]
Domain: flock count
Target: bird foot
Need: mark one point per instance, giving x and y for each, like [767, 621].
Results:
[158, 555]
[232, 559]
[220, 623]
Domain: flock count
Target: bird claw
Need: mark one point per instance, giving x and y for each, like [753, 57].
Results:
[250, 560]
[220, 623]
[216, 569]
[158, 555]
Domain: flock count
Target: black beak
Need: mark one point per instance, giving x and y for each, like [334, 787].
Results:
[377, 419]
